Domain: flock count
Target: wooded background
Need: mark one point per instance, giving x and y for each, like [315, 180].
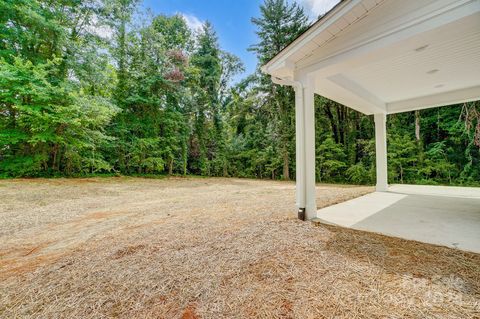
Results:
[89, 87]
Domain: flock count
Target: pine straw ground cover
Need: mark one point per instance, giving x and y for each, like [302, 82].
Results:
[211, 248]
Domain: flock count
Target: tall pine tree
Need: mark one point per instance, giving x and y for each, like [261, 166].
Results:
[279, 24]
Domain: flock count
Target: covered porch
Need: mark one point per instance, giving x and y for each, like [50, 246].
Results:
[440, 215]
[379, 57]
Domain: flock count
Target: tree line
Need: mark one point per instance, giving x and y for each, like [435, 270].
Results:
[96, 87]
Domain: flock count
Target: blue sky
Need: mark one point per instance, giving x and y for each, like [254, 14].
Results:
[231, 20]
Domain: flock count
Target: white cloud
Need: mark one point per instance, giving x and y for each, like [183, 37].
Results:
[315, 8]
[192, 21]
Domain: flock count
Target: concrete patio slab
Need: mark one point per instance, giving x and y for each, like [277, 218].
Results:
[441, 215]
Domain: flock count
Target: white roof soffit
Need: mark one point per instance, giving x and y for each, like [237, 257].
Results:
[390, 56]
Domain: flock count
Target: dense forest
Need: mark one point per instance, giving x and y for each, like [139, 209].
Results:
[97, 87]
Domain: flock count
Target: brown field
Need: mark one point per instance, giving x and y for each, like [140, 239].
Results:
[211, 248]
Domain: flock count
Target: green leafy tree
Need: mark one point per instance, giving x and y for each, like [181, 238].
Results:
[280, 22]
[85, 90]
[48, 128]
[330, 160]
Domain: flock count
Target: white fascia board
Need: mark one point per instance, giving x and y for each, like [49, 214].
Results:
[440, 99]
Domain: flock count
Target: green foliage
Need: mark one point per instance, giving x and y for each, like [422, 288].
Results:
[330, 159]
[402, 157]
[83, 90]
[49, 122]
[279, 24]
[48, 127]
[358, 174]
[436, 166]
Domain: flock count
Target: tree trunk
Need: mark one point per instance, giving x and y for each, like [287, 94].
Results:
[417, 125]
[286, 172]
[54, 156]
[331, 118]
[225, 168]
[341, 123]
[358, 148]
[170, 166]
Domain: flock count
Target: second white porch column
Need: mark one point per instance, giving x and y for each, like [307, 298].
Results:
[300, 147]
[310, 193]
[381, 151]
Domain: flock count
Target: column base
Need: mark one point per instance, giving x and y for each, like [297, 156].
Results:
[381, 188]
[301, 214]
[307, 214]
[311, 212]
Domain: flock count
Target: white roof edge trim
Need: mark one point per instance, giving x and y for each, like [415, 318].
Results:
[343, 7]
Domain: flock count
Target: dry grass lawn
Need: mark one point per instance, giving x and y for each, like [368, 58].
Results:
[211, 248]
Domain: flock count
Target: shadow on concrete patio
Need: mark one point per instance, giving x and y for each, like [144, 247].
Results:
[447, 216]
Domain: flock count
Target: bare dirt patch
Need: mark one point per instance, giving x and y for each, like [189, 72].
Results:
[211, 248]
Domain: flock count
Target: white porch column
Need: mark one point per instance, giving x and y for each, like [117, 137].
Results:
[300, 147]
[381, 151]
[310, 193]
[305, 149]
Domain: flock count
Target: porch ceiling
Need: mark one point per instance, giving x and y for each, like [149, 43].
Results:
[388, 56]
